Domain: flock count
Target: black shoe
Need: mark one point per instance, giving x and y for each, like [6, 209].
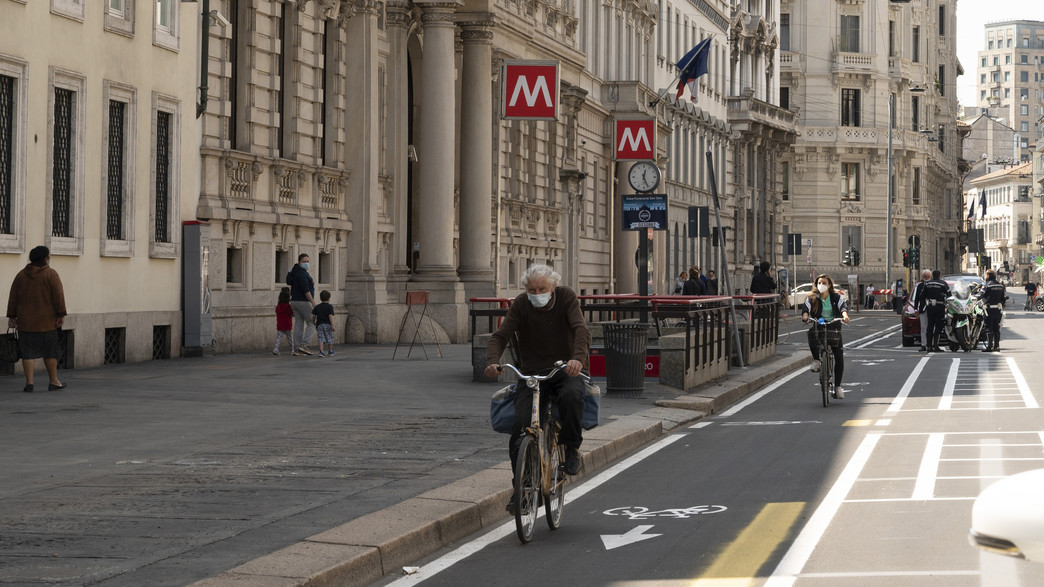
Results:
[511, 505]
[53, 387]
[987, 350]
[923, 349]
[28, 388]
[572, 464]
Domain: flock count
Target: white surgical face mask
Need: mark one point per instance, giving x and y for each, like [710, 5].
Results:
[822, 287]
[305, 265]
[539, 300]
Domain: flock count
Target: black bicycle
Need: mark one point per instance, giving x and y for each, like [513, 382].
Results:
[540, 468]
[827, 338]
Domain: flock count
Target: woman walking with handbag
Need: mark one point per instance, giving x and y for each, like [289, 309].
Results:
[36, 307]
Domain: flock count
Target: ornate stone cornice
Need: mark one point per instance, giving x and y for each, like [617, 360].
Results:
[476, 27]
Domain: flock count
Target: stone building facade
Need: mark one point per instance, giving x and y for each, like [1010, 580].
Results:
[1010, 77]
[99, 162]
[866, 75]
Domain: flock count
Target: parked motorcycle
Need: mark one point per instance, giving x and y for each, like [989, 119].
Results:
[965, 321]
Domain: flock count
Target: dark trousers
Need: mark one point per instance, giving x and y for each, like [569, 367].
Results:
[935, 323]
[993, 320]
[839, 352]
[567, 393]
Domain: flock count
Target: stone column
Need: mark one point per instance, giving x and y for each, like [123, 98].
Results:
[435, 144]
[476, 155]
[397, 15]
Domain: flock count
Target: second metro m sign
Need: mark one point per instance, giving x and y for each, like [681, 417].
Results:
[529, 90]
[635, 140]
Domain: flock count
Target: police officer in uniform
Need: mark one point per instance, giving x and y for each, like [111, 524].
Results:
[932, 298]
[994, 295]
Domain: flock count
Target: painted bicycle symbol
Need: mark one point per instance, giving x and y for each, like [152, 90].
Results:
[643, 513]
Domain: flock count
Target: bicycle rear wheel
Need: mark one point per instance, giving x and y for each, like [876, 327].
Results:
[826, 363]
[555, 500]
[527, 488]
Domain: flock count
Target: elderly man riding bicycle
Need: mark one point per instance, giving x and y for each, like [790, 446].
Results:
[550, 327]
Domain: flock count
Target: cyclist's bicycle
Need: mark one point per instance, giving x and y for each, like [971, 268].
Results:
[826, 337]
[540, 467]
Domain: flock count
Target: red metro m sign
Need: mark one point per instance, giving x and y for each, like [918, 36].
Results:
[529, 90]
[635, 140]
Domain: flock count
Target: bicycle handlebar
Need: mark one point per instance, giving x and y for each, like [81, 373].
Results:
[822, 322]
[534, 380]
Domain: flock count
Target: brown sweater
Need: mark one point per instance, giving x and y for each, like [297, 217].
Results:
[37, 299]
[556, 332]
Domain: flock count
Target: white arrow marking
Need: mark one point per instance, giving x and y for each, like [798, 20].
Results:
[612, 541]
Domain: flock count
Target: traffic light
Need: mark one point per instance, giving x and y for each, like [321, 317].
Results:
[915, 257]
[906, 258]
[855, 256]
[847, 258]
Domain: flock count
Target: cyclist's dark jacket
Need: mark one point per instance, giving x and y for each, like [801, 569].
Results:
[933, 289]
[556, 332]
[994, 293]
[839, 303]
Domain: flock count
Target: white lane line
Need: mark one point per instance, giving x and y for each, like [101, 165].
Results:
[996, 570]
[801, 550]
[890, 574]
[946, 401]
[449, 559]
[872, 338]
[897, 403]
[925, 486]
[1027, 395]
[734, 409]
[699, 425]
[909, 499]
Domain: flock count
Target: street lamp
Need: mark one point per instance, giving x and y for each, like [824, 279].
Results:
[888, 200]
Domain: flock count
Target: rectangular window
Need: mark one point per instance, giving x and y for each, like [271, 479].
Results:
[73, 9]
[165, 185]
[850, 107]
[1007, 76]
[166, 30]
[784, 97]
[849, 33]
[915, 113]
[850, 181]
[784, 32]
[982, 95]
[163, 168]
[114, 187]
[1007, 60]
[117, 7]
[233, 266]
[786, 180]
[7, 136]
[982, 78]
[996, 77]
[942, 138]
[325, 274]
[1024, 110]
[891, 38]
[942, 80]
[916, 41]
[915, 194]
[164, 14]
[1025, 127]
[62, 162]
[1025, 58]
[119, 17]
[1023, 76]
[942, 21]
[282, 266]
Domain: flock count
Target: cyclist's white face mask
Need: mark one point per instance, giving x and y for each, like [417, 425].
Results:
[539, 300]
[822, 287]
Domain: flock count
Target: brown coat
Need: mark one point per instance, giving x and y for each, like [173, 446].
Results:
[37, 299]
[555, 332]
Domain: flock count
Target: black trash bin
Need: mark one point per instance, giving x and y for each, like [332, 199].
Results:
[625, 347]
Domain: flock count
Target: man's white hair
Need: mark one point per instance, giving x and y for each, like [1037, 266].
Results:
[541, 271]
[926, 274]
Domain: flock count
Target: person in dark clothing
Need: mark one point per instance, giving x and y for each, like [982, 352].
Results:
[302, 300]
[994, 295]
[762, 282]
[823, 302]
[550, 328]
[694, 285]
[1031, 294]
[36, 307]
[932, 299]
[712, 283]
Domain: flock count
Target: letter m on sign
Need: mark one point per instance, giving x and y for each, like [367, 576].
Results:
[529, 90]
[635, 140]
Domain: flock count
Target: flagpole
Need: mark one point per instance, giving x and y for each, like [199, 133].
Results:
[724, 259]
[681, 70]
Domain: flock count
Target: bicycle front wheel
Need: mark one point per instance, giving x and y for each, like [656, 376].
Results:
[825, 365]
[555, 500]
[527, 488]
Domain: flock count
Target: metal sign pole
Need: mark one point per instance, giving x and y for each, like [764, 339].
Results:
[725, 261]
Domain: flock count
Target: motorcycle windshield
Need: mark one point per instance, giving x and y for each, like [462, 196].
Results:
[959, 291]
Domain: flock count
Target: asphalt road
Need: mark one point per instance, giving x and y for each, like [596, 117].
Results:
[778, 490]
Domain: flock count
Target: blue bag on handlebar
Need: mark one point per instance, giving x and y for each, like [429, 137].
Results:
[502, 408]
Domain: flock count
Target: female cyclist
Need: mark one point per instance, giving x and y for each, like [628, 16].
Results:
[823, 302]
